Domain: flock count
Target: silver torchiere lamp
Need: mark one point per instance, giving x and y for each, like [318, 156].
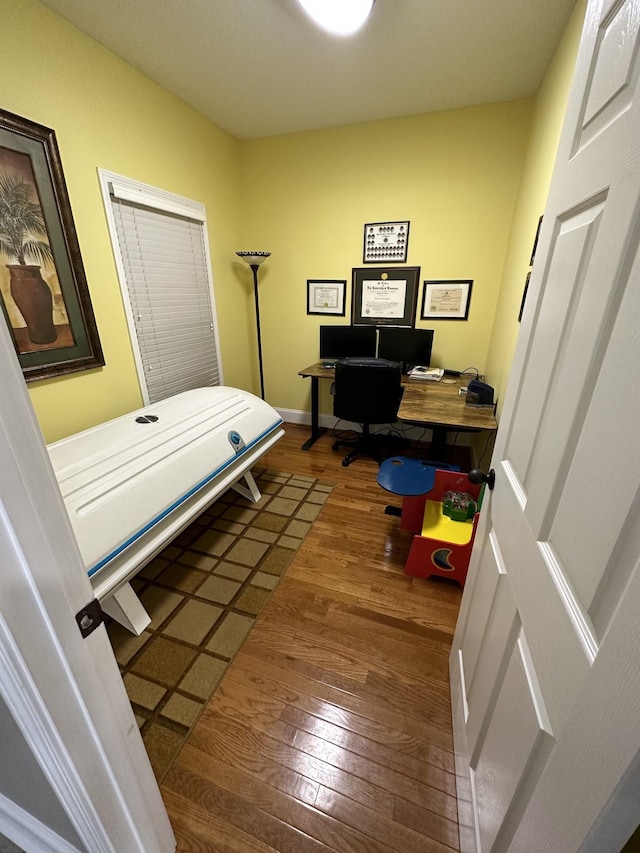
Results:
[254, 259]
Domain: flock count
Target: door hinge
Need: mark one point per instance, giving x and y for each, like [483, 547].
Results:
[90, 617]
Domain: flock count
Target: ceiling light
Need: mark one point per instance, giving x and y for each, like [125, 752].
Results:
[340, 17]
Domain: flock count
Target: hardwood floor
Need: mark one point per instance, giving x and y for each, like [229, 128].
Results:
[331, 730]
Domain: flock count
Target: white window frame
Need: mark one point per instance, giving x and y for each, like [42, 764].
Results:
[149, 196]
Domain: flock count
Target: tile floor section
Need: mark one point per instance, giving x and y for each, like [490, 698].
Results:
[204, 593]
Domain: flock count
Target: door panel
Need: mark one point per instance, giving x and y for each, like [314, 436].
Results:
[502, 627]
[615, 69]
[571, 246]
[544, 604]
[544, 670]
[486, 585]
[502, 773]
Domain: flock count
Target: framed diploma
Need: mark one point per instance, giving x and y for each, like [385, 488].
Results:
[383, 296]
[446, 300]
[386, 242]
[326, 296]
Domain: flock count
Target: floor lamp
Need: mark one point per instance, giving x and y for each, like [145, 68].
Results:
[254, 259]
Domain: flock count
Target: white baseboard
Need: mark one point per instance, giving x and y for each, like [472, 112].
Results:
[294, 416]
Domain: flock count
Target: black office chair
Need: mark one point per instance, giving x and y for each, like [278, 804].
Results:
[367, 391]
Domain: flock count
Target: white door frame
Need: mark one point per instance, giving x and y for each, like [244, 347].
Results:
[64, 692]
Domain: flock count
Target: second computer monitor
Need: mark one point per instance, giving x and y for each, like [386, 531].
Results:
[408, 346]
[347, 342]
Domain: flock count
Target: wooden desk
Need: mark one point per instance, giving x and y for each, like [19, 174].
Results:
[439, 406]
[436, 405]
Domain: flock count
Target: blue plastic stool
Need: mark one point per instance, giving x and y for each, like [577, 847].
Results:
[408, 477]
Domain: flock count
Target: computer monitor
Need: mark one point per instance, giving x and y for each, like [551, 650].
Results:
[347, 342]
[408, 346]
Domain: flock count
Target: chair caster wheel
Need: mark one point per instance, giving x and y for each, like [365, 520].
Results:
[335, 445]
[345, 463]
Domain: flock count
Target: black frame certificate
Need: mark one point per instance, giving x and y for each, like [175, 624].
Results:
[384, 297]
[326, 296]
[446, 299]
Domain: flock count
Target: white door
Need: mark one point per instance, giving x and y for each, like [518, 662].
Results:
[64, 692]
[545, 667]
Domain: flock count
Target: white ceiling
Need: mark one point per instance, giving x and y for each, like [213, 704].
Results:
[260, 68]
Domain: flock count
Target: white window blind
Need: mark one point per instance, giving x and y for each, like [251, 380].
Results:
[164, 262]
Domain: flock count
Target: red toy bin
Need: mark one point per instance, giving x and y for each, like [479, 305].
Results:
[441, 546]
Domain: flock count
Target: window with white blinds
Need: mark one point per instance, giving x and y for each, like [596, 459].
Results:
[164, 263]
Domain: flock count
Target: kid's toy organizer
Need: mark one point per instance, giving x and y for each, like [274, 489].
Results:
[441, 546]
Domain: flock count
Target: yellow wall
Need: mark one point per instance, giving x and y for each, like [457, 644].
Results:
[105, 114]
[454, 175]
[457, 176]
[548, 115]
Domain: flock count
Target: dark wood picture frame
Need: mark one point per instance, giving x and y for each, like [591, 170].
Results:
[43, 289]
[384, 296]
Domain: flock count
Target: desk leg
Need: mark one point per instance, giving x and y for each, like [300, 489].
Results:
[316, 429]
[438, 443]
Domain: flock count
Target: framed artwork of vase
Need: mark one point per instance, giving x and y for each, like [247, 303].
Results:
[44, 294]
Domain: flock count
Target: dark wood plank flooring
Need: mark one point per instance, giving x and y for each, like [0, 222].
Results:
[331, 730]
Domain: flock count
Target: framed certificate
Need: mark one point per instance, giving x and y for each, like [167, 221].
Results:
[446, 300]
[384, 296]
[386, 242]
[326, 296]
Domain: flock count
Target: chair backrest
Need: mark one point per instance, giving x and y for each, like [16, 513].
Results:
[367, 390]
